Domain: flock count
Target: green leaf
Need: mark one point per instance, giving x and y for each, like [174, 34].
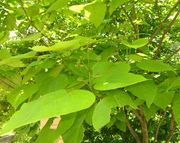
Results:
[101, 115]
[54, 83]
[95, 12]
[32, 37]
[57, 5]
[113, 75]
[150, 112]
[115, 4]
[50, 105]
[140, 90]
[76, 132]
[175, 83]
[109, 76]
[163, 99]
[50, 135]
[136, 44]
[176, 107]
[20, 94]
[153, 66]
[10, 21]
[77, 8]
[4, 37]
[4, 54]
[65, 45]
[14, 61]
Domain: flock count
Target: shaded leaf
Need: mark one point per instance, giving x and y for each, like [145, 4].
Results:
[50, 135]
[140, 90]
[101, 115]
[19, 95]
[163, 99]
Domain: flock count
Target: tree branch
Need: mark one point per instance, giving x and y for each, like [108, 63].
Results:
[172, 128]
[140, 115]
[164, 33]
[164, 21]
[134, 134]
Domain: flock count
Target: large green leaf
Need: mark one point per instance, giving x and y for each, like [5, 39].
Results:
[95, 12]
[176, 108]
[140, 90]
[109, 76]
[154, 66]
[136, 44]
[65, 45]
[56, 103]
[101, 115]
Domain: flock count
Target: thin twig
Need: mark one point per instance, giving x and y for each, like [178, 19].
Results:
[164, 21]
[172, 128]
[132, 131]
[164, 33]
[158, 127]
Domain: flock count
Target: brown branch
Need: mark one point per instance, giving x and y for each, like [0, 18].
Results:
[164, 21]
[132, 131]
[140, 115]
[158, 127]
[172, 128]
[164, 33]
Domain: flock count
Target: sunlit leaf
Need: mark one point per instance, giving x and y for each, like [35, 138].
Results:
[65, 45]
[95, 12]
[154, 66]
[50, 105]
[136, 44]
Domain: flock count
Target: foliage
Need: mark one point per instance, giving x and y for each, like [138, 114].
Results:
[105, 66]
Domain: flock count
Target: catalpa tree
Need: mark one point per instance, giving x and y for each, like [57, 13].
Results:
[101, 63]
